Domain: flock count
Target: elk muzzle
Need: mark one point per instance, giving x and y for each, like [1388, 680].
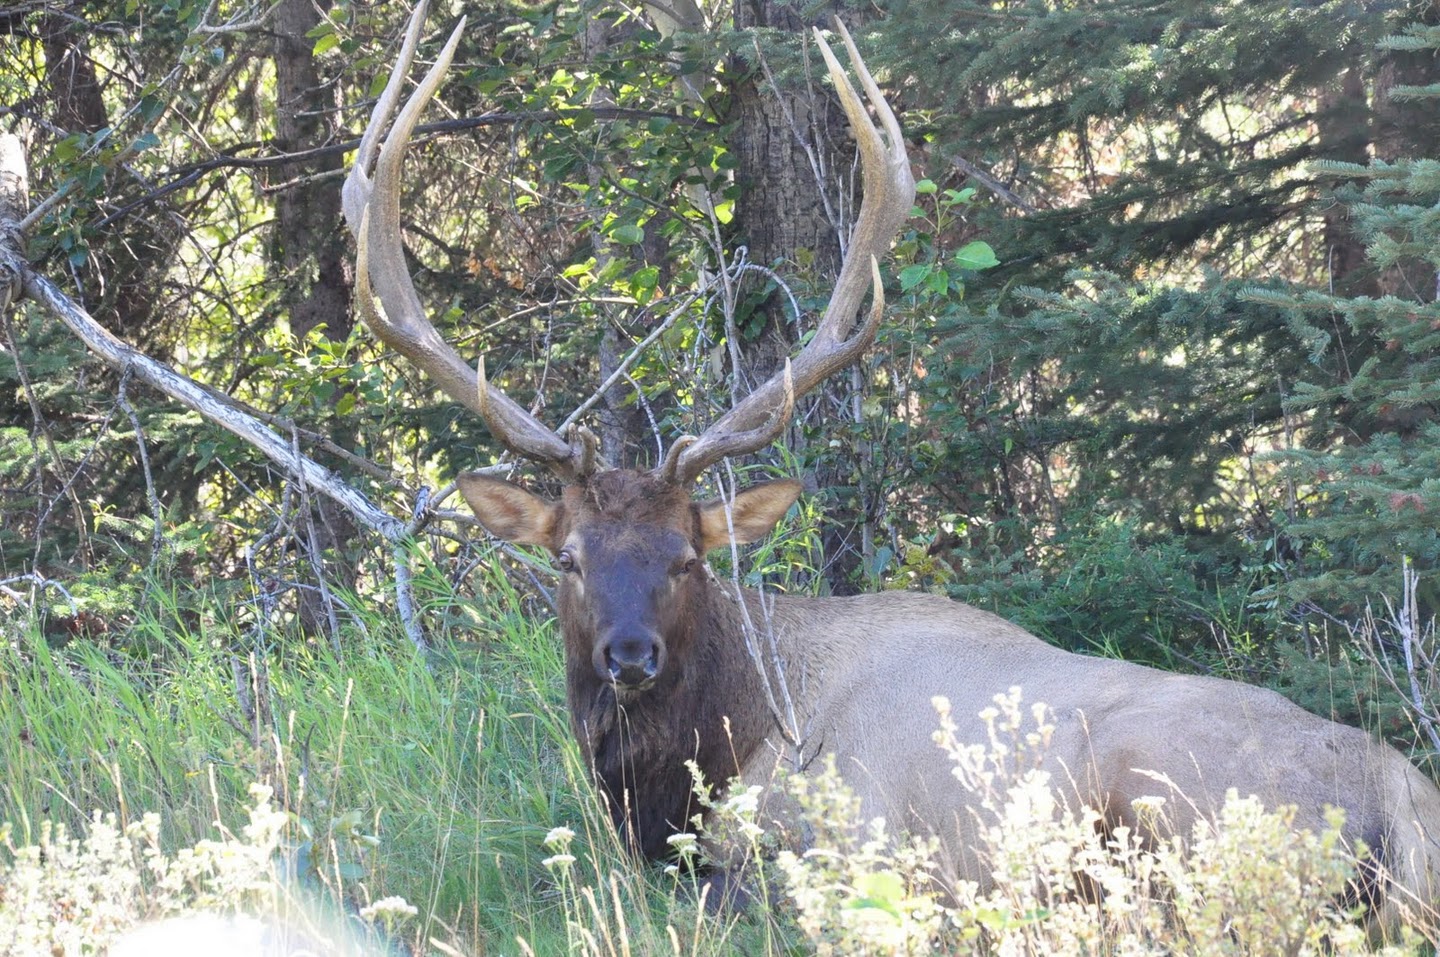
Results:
[630, 659]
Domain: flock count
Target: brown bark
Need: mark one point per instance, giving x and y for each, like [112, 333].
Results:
[310, 246]
[1406, 129]
[310, 255]
[1343, 136]
[781, 211]
[620, 422]
[135, 261]
[70, 75]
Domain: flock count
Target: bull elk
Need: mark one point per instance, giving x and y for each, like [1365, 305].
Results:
[662, 665]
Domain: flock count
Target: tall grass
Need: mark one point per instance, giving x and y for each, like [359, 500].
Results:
[434, 777]
[448, 783]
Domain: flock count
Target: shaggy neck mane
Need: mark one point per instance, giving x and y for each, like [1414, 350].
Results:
[637, 745]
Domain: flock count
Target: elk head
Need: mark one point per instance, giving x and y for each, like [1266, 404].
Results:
[630, 545]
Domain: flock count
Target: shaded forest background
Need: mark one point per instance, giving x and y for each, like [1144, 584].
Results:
[1158, 376]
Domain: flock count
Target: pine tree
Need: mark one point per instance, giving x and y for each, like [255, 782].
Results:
[1123, 375]
[1372, 500]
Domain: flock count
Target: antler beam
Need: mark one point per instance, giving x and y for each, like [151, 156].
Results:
[372, 211]
[889, 195]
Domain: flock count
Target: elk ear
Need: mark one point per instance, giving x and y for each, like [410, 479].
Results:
[508, 511]
[752, 514]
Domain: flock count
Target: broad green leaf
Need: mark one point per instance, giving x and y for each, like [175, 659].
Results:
[912, 276]
[976, 255]
[627, 234]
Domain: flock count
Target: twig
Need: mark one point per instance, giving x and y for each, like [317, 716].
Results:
[191, 173]
[42, 427]
[404, 578]
[311, 543]
[627, 362]
[157, 513]
[990, 183]
[194, 396]
[38, 582]
[649, 416]
[782, 708]
[1416, 647]
[1409, 623]
[234, 26]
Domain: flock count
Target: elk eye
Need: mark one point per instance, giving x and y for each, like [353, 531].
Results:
[565, 561]
[685, 567]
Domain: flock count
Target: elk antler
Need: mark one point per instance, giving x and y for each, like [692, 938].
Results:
[372, 210]
[889, 194]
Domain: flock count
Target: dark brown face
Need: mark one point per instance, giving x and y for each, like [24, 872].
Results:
[628, 589]
[630, 549]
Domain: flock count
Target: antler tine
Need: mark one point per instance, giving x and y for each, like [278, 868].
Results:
[372, 210]
[889, 196]
[736, 443]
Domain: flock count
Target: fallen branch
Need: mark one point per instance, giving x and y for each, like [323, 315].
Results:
[19, 280]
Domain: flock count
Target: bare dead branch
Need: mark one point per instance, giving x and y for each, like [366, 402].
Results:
[196, 397]
[991, 183]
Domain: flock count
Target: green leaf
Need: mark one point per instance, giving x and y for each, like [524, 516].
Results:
[68, 148]
[912, 276]
[627, 234]
[925, 187]
[327, 42]
[976, 255]
[881, 890]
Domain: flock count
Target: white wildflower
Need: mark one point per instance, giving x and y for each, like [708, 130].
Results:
[389, 910]
[559, 837]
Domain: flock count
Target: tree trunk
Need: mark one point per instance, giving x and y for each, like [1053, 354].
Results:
[621, 424]
[311, 261]
[781, 211]
[784, 222]
[135, 258]
[1406, 129]
[1343, 134]
[70, 75]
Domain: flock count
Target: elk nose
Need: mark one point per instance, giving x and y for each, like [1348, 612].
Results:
[631, 661]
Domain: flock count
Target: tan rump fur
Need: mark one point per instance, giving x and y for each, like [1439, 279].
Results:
[869, 667]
